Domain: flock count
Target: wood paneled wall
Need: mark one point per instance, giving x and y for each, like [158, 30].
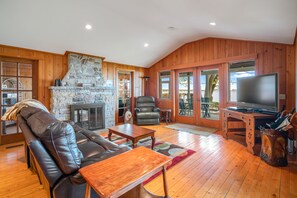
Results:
[295, 44]
[270, 58]
[53, 66]
[110, 72]
[50, 66]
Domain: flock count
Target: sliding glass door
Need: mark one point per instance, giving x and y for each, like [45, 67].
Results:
[198, 96]
[185, 96]
[209, 96]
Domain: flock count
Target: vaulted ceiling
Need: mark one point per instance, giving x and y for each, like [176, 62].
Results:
[122, 27]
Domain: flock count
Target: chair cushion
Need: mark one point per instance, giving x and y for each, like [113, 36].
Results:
[145, 103]
[60, 141]
[90, 143]
[90, 149]
[38, 121]
[148, 115]
[146, 109]
[56, 136]
[28, 112]
[148, 121]
[145, 99]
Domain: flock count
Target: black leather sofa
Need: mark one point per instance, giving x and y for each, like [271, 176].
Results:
[146, 111]
[59, 149]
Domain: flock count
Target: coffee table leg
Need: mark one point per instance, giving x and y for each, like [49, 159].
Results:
[153, 142]
[134, 144]
[88, 191]
[109, 135]
[165, 183]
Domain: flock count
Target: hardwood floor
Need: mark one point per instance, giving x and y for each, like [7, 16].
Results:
[16, 180]
[219, 168]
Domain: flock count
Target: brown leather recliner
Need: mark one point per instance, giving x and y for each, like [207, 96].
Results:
[60, 149]
[146, 111]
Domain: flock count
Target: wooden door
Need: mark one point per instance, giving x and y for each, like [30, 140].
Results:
[17, 84]
[210, 96]
[185, 107]
[125, 94]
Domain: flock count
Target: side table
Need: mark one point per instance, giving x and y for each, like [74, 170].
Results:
[122, 175]
[165, 115]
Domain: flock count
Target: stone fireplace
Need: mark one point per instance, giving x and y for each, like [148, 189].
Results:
[83, 84]
[88, 116]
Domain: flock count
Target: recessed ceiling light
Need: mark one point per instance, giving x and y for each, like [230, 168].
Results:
[212, 23]
[171, 28]
[88, 27]
[146, 45]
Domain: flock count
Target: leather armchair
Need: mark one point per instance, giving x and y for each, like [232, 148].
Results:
[146, 111]
[59, 149]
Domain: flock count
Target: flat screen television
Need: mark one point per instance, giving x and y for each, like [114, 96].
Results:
[258, 92]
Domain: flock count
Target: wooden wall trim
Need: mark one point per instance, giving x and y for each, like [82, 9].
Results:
[213, 62]
[126, 65]
[8, 48]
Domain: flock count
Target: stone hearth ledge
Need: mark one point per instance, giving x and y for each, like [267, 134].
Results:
[80, 88]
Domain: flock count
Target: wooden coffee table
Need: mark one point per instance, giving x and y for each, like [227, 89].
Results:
[122, 175]
[132, 132]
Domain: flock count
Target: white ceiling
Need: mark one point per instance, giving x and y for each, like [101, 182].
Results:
[121, 27]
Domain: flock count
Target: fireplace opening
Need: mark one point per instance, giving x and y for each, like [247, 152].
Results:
[88, 116]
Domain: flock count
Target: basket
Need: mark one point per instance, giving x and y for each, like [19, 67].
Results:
[273, 149]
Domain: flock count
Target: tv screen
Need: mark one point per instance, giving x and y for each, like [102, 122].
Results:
[258, 92]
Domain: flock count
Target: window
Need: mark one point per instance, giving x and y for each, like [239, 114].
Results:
[164, 85]
[185, 93]
[16, 85]
[239, 70]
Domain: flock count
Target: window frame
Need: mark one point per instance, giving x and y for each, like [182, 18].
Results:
[18, 90]
[229, 76]
[161, 82]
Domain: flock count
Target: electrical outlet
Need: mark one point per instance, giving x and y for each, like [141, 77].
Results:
[282, 96]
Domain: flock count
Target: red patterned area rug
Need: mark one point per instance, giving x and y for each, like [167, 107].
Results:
[177, 153]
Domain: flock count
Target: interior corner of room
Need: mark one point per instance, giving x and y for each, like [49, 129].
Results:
[194, 88]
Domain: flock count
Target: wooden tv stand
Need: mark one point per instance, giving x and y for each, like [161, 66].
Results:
[250, 120]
